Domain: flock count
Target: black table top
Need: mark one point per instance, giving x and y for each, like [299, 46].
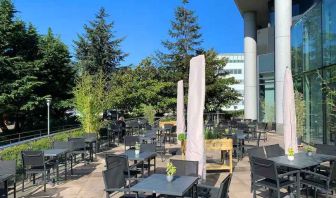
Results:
[4, 177]
[302, 160]
[157, 183]
[54, 152]
[90, 139]
[141, 157]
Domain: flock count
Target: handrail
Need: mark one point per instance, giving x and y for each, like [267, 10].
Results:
[17, 137]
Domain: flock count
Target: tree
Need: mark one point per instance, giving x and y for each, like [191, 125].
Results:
[98, 48]
[185, 42]
[133, 87]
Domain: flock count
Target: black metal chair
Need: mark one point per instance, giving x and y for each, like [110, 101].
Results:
[148, 148]
[274, 151]
[325, 149]
[34, 163]
[185, 167]
[161, 146]
[115, 181]
[130, 141]
[214, 192]
[325, 182]
[255, 152]
[92, 147]
[78, 147]
[8, 167]
[129, 171]
[104, 139]
[238, 144]
[267, 170]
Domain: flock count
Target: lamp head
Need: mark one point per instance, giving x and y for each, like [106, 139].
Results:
[48, 99]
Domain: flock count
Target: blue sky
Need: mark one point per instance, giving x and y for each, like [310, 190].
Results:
[144, 23]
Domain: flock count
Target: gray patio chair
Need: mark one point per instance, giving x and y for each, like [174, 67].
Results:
[9, 167]
[104, 139]
[185, 167]
[274, 151]
[237, 145]
[129, 171]
[148, 148]
[267, 170]
[78, 147]
[68, 156]
[323, 182]
[255, 152]
[130, 141]
[115, 181]
[161, 146]
[325, 149]
[33, 163]
[214, 192]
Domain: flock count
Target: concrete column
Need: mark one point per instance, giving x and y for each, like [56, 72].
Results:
[283, 22]
[250, 66]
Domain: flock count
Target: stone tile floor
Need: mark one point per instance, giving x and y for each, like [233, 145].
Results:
[88, 182]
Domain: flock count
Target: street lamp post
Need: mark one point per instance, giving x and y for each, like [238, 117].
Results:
[48, 104]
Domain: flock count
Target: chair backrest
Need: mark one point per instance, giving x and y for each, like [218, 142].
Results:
[256, 152]
[8, 167]
[77, 143]
[61, 145]
[224, 187]
[131, 140]
[121, 161]
[147, 148]
[32, 158]
[173, 129]
[114, 178]
[261, 126]
[264, 168]
[325, 149]
[274, 151]
[185, 167]
[103, 132]
[269, 126]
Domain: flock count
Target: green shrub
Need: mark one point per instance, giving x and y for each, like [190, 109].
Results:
[182, 137]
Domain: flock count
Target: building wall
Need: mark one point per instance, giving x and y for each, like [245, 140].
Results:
[235, 68]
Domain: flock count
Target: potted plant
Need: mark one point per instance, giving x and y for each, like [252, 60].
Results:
[170, 170]
[137, 148]
[182, 137]
[290, 154]
[309, 150]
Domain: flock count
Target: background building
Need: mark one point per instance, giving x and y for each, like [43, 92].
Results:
[300, 34]
[235, 68]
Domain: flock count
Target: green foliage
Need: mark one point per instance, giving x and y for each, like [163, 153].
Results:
[33, 67]
[149, 113]
[182, 137]
[98, 49]
[91, 99]
[309, 149]
[290, 152]
[209, 134]
[184, 43]
[300, 108]
[132, 87]
[14, 152]
[170, 169]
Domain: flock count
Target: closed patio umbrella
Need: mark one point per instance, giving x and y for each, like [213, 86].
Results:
[180, 122]
[196, 97]
[289, 113]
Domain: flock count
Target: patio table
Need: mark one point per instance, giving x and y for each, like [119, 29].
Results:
[158, 184]
[302, 161]
[57, 153]
[143, 156]
[4, 178]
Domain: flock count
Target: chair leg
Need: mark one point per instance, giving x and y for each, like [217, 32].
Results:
[14, 189]
[23, 180]
[44, 182]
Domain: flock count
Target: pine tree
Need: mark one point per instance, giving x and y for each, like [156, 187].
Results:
[98, 48]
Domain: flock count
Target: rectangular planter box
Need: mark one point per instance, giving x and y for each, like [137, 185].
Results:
[223, 145]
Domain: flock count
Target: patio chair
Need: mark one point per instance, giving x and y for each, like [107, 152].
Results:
[9, 167]
[255, 152]
[237, 145]
[77, 147]
[93, 147]
[185, 167]
[129, 171]
[148, 148]
[262, 129]
[161, 146]
[68, 157]
[115, 181]
[267, 170]
[274, 151]
[214, 192]
[130, 141]
[104, 138]
[323, 182]
[33, 163]
[325, 149]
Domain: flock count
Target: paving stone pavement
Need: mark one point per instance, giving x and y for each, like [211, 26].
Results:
[88, 182]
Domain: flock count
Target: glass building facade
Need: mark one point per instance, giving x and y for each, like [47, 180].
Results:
[313, 45]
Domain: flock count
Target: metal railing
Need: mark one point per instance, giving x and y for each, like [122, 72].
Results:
[26, 135]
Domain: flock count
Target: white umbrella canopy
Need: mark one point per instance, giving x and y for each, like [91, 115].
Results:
[180, 121]
[289, 113]
[196, 98]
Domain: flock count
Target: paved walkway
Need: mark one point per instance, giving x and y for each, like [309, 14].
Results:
[88, 182]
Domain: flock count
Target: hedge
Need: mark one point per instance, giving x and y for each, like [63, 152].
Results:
[14, 152]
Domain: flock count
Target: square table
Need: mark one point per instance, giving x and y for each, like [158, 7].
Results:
[4, 178]
[57, 153]
[158, 184]
[302, 161]
[143, 156]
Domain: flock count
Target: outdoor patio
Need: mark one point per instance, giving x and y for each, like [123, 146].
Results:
[87, 180]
